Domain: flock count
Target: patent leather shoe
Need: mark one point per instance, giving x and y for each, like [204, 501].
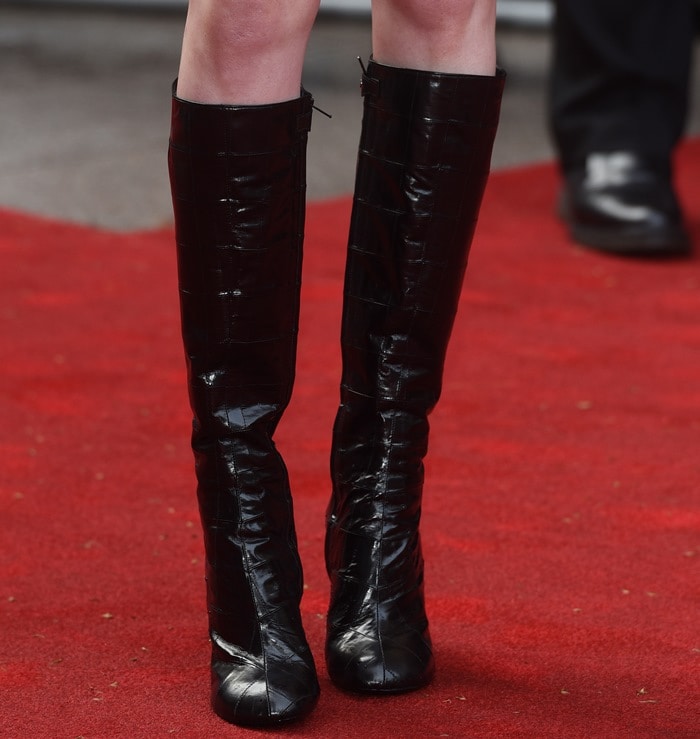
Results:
[621, 204]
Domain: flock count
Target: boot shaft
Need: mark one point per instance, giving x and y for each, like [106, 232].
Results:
[238, 185]
[423, 163]
[238, 179]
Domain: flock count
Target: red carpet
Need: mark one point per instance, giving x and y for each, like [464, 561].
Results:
[562, 525]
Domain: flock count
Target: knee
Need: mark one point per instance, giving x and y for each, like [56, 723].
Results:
[228, 26]
[436, 16]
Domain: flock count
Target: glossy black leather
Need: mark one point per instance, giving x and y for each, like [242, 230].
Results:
[423, 163]
[238, 186]
[622, 204]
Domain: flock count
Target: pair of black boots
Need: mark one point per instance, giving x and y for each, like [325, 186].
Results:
[238, 184]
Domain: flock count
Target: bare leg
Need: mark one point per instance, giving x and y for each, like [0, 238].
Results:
[244, 52]
[438, 35]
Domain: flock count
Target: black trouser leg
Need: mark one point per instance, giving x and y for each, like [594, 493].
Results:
[619, 78]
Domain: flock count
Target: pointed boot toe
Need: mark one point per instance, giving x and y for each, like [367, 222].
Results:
[365, 664]
[251, 695]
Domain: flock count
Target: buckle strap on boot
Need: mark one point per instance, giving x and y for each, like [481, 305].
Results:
[243, 129]
[468, 98]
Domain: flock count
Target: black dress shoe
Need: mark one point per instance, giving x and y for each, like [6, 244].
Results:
[621, 204]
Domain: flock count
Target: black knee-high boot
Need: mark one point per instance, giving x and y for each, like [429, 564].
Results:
[423, 163]
[238, 185]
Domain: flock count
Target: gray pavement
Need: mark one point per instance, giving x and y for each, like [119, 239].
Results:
[86, 99]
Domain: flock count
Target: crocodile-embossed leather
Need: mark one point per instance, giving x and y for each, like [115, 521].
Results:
[423, 163]
[238, 186]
